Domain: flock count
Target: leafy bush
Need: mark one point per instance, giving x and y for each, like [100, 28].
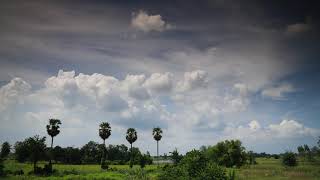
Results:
[176, 157]
[104, 165]
[5, 150]
[194, 165]
[289, 159]
[173, 173]
[227, 153]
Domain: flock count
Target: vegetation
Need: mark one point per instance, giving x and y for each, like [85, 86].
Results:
[289, 159]
[52, 130]
[131, 138]
[5, 150]
[227, 153]
[104, 133]
[175, 156]
[194, 165]
[225, 160]
[157, 135]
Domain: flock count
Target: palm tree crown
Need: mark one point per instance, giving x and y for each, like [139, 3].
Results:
[53, 127]
[131, 135]
[157, 133]
[104, 130]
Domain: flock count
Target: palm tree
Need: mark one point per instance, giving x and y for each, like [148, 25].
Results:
[131, 138]
[157, 135]
[53, 130]
[104, 133]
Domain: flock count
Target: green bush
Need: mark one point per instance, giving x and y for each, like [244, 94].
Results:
[228, 153]
[194, 165]
[289, 159]
[105, 165]
[173, 173]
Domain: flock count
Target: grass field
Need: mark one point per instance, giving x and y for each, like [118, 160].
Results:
[265, 169]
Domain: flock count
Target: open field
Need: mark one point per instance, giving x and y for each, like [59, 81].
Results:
[265, 169]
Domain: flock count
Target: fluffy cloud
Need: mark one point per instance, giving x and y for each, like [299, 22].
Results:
[186, 103]
[193, 80]
[160, 83]
[277, 92]
[13, 93]
[144, 22]
[286, 129]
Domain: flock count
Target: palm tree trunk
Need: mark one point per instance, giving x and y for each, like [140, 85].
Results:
[131, 158]
[158, 152]
[103, 152]
[51, 154]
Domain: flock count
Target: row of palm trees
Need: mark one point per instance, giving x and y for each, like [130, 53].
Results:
[104, 133]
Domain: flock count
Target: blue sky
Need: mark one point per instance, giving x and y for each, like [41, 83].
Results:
[204, 71]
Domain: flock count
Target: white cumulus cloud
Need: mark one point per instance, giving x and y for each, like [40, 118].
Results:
[145, 22]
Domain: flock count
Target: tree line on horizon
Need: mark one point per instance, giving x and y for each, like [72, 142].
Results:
[34, 149]
[210, 159]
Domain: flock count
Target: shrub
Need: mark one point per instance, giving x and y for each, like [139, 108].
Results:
[227, 153]
[194, 165]
[105, 165]
[213, 171]
[143, 161]
[173, 173]
[289, 159]
[175, 156]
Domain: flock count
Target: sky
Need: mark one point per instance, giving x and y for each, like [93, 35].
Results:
[204, 71]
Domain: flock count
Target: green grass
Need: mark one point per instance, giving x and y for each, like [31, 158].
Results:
[265, 169]
[273, 169]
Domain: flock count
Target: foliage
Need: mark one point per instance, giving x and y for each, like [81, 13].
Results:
[131, 138]
[91, 152]
[176, 157]
[289, 159]
[157, 133]
[227, 153]
[104, 133]
[131, 135]
[251, 158]
[32, 149]
[144, 160]
[5, 149]
[104, 130]
[194, 165]
[53, 127]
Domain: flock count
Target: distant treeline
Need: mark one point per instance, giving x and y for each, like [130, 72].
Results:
[90, 153]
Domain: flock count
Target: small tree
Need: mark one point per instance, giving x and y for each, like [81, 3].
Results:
[36, 146]
[175, 156]
[5, 149]
[104, 133]
[53, 130]
[289, 159]
[131, 138]
[157, 135]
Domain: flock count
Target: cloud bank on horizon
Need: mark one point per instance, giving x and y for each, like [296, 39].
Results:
[203, 71]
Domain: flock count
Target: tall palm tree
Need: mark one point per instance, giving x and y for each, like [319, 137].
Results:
[53, 130]
[157, 135]
[104, 133]
[131, 138]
